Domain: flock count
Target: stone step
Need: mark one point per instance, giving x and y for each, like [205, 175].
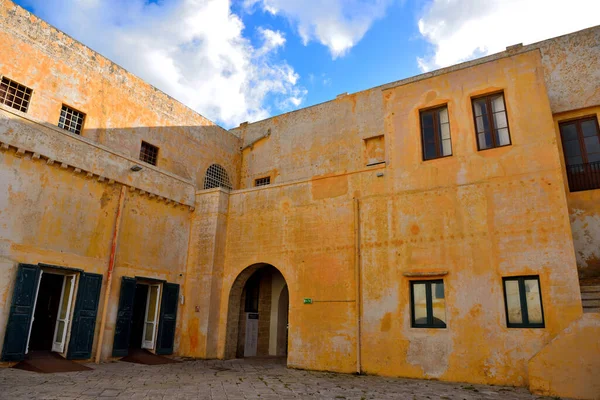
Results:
[590, 289]
[591, 309]
[591, 303]
[590, 296]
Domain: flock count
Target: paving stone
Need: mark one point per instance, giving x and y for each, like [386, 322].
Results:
[250, 379]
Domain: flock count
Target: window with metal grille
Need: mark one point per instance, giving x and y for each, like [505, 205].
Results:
[523, 302]
[216, 176]
[435, 133]
[14, 94]
[262, 181]
[149, 153]
[71, 120]
[581, 148]
[491, 121]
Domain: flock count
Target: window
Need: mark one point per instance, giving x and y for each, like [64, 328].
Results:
[491, 122]
[374, 150]
[581, 146]
[149, 153]
[71, 120]
[14, 94]
[523, 301]
[262, 181]
[435, 133]
[428, 305]
[216, 176]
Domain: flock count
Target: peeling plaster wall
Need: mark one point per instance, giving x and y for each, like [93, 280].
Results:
[478, 215]
[121, 109]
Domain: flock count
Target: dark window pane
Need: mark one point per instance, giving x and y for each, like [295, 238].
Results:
[569, 131]
[427, 119]
[572, 148]
[595, 157]
[589, 128]
[574, 160]
[592, 145]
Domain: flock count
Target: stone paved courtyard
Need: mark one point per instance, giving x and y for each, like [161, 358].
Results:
[261, 379]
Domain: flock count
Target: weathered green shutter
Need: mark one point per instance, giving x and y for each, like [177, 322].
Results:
[84, 317]
[21, 312]
[168, 319]
[123, 324]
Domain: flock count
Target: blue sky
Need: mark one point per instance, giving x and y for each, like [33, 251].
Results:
[245, 60]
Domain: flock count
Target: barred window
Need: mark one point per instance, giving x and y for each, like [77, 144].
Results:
[149, 153]
[71, 120]
[216, 176]
[14, 94]
[262, 181]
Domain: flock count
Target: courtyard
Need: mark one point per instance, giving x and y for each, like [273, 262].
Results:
[261, 378]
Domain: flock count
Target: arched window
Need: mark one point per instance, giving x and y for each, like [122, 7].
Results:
[216, 176]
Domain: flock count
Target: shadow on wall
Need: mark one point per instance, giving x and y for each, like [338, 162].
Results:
[185, 151]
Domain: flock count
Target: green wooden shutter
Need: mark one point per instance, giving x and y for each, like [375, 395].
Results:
[168, 319]
[84, 317]
[123, 324]
[21, 312]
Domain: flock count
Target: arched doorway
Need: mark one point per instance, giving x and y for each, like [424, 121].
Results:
[257, 320]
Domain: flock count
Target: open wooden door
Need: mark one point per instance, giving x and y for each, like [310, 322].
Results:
[64, 314]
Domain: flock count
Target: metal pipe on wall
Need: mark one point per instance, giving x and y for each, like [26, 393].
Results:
[357, 278]
[111, 266]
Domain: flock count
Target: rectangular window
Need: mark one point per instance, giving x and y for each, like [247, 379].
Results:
[491, 122]
[523, 301]
[149, 153]
[581, 147]
[71, 120]
[14, 94]
[428, 305]
[262, 181]
[435, 133]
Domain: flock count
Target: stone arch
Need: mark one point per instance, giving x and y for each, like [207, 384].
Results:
[235, 309]
[216, 176]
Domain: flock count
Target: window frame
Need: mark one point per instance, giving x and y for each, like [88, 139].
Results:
[523, 301]
[30, 94]
[142, 151]
[580, 137]
[437, 135]
[429, 304]
[263, 181]
[490, 119]
[84, 117]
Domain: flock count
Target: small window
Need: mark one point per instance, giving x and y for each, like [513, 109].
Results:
[149, 153]
[71, 120]
[581, 148]
[14, 94]
[216, 176]
[435, 133]
[523, 301]
[374, 150]
[262, 181]
[491, 122]
[428, 305]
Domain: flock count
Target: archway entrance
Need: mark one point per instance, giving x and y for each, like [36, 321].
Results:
[257, 320]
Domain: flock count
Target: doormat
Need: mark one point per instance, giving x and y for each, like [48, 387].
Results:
[47, 362]
[141, 356]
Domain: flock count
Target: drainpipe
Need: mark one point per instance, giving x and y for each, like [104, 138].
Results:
[357, 279]
[111, 267]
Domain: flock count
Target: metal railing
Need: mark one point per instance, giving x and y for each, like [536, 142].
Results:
[583, 176]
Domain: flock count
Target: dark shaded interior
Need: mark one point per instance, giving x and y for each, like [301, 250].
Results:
[46, 311]
[139, 312]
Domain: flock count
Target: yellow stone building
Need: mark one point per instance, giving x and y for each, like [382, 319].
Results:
[445, 226]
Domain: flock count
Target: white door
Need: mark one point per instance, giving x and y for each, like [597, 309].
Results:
[151, 319]
[251, 343]
[33, 315]
[64, 313]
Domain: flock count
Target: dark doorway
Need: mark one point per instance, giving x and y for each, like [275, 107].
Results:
[46, 311]
[139, 313]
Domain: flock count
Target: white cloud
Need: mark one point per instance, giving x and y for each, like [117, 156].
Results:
[194, 50]
[460, 30]
[337, 24]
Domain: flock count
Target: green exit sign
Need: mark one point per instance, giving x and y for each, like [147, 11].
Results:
[307, 301]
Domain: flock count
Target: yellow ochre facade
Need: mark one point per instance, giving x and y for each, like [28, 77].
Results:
[445, 226]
